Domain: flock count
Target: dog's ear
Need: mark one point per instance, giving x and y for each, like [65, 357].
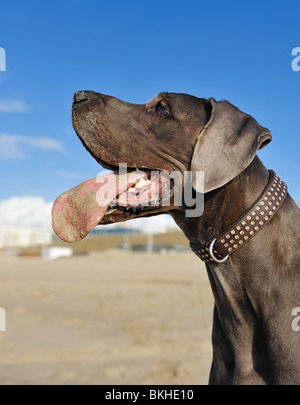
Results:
[226, 145]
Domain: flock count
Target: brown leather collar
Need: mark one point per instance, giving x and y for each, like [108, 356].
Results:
[247, 226]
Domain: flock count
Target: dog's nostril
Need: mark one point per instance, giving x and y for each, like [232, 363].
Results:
[79, 97]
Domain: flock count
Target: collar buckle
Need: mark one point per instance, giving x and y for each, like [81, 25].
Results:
[211, 254]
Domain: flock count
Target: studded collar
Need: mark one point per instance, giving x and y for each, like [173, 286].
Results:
[247, 226]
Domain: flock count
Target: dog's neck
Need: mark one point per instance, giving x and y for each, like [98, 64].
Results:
[222, 207]
[241, 348]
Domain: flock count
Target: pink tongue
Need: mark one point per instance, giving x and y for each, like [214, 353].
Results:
[77, 211]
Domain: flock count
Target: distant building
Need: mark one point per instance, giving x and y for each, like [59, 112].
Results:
[24, 237]
[56, 252]
[116, 230]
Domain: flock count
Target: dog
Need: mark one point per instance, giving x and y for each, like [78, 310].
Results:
[248, 232]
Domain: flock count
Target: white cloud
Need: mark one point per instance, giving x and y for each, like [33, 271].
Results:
[159, 224]
[35, 212]
[14, 106]
[19, 147]
[32, 212]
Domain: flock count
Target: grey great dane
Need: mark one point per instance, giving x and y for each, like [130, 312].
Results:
[248, 233]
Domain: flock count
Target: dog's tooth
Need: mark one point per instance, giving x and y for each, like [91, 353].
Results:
[142, 183]
[110, 211]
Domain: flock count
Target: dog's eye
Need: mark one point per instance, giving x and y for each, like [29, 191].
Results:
[162, 109]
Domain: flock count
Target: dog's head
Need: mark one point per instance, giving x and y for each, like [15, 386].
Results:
[173, 133]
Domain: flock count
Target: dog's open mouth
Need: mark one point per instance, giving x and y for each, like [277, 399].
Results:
[113, 197]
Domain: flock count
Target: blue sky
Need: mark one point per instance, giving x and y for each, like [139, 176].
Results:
[133, 49]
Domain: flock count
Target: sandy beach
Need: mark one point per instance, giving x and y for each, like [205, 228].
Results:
[109, 317]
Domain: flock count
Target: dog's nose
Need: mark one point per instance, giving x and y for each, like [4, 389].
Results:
[80, 96]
